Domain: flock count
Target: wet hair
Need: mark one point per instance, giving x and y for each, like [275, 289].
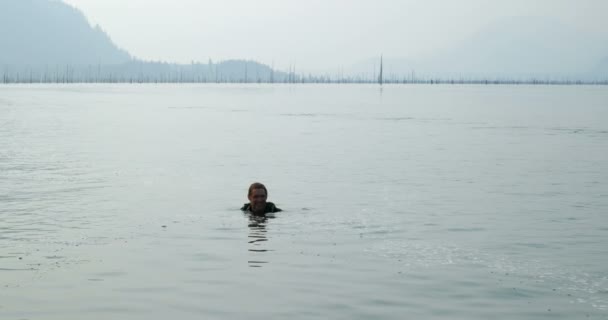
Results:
[256, 185]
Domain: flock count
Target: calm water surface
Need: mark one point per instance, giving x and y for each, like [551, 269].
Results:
[430, 202]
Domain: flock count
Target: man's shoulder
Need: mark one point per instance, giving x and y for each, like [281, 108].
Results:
[271, 207]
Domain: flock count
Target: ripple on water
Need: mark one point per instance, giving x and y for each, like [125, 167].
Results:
[539, 276]
[473, 229]
[308, 115]
[110, 274]
[396, 118]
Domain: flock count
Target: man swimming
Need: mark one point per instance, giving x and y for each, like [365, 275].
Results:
[257, 205]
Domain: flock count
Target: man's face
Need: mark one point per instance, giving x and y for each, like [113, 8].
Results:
[257, 199]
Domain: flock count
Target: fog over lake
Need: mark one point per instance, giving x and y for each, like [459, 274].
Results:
[401, 201]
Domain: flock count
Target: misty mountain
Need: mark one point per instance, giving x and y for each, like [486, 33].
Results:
[43, 32]
[515, 48]
[602, 67]
[524, 47]
[50, 41]
[148, 71]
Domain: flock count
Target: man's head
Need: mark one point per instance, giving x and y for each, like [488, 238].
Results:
[257, 197]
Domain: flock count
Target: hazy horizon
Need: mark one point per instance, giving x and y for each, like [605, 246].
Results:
[316, 36]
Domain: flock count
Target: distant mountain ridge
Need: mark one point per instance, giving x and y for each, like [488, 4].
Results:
[43, 32]
[514, 48]
[525, 47]
[50, 41]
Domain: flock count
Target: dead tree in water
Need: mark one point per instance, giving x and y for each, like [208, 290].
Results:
[380, 80]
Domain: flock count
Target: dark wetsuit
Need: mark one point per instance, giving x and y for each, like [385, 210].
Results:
[270, 208]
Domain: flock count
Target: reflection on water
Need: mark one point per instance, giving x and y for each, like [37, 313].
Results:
[258, 239]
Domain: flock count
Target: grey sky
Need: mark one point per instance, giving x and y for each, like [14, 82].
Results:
[314, 34]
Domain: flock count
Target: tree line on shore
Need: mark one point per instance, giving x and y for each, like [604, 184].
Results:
[237, 71]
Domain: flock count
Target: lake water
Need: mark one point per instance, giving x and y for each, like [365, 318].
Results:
[407, 202]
